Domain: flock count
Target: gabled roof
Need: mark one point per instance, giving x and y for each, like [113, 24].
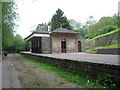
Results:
[63, 30]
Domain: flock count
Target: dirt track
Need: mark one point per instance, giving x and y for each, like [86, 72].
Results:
[21, 73]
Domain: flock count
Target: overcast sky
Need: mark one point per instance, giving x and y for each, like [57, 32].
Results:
[33, 12]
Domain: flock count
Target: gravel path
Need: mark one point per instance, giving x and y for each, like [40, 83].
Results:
[21, 73]
[9, 73]
[95, 58]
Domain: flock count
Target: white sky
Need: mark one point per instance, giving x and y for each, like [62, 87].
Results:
[33, 12]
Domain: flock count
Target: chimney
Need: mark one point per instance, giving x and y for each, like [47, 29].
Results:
[40, 26]
[49, 27]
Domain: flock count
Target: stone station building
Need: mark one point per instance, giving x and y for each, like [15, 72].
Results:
[58, 41]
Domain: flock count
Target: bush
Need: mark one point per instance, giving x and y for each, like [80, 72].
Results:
[105, 80]
[106, 29]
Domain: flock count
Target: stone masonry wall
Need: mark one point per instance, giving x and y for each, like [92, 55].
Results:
[82, 40]
[115, 51]
[45, 45]
[89, 68]
[56, 42]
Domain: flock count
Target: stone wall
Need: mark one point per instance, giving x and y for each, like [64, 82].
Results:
[115, 51]
[56, 42]
[45, 45]
[71, 42]
[89, 68]
[105, 40]
[82, 40]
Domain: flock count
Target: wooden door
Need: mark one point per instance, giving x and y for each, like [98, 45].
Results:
[79, 46]
[63, 46]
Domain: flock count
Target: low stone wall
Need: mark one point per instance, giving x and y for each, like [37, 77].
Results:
[90, 68]
[115, 51]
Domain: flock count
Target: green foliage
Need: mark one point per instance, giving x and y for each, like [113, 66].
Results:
[10, 42]
[18, 43]
[77, 27]
[85, 30]
[104, 25]
[59, 20]
[34, 86]
[70, 75]
[114, 31]
[106, 29]
[105, 80]
[75, 24]
[94, 49]
[116, 20]
[90, 21]
[101, 81]
[8, 25]
[27, 46]
[91, 51]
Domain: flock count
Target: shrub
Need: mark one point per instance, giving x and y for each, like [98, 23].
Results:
[105, 80]
[106, 29]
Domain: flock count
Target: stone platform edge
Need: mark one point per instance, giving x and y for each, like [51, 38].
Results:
[90, 68]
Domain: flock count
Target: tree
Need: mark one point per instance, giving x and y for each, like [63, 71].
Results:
[86, 27]
[75, 24]
[90, 21]
[19, 43]
[104, 25]
[27, 46]
[116, 19]
[8, 17]
[58, 20]
[78, 27]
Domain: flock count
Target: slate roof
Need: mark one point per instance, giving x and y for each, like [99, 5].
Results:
[38, 31]
[41, 31]
[58, 30]
[63, 30]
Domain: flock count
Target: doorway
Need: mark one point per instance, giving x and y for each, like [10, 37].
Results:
[79, 46]
[63, 46]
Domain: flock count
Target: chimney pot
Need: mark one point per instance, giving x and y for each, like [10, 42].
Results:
[49, 27]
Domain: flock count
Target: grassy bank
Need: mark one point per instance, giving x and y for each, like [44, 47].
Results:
[117, 30]
[79, 78]
[94, 49]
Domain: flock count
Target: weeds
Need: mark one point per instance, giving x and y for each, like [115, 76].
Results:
[105, 80]
[34, 86]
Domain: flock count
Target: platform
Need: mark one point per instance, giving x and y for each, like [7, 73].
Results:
[85, 57]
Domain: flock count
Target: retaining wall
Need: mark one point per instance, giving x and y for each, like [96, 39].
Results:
[85, 67]
[115, 51]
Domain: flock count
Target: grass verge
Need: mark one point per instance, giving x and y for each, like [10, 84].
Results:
[70, 75]
[94, 49]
